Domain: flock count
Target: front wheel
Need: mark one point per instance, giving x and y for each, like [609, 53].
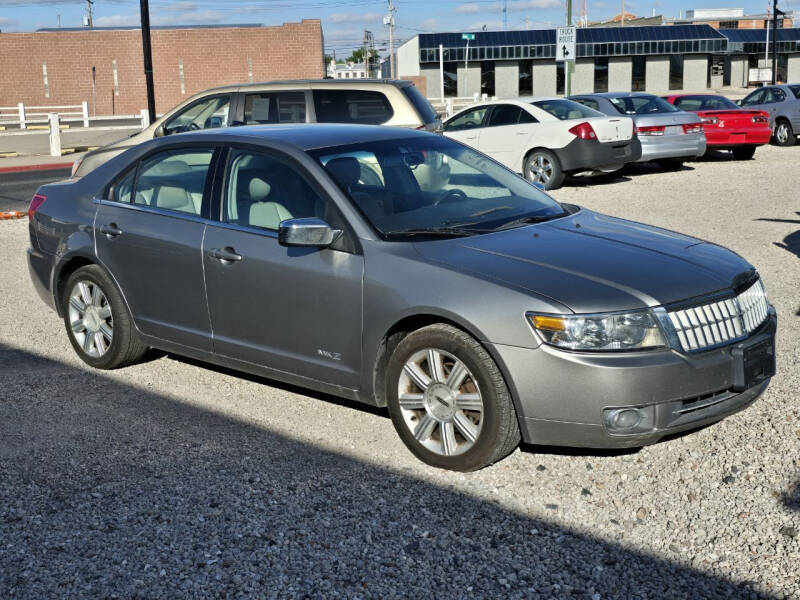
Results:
[543, 167]
[784, 134]
[448, 400]
[744, 152]
[97, 321]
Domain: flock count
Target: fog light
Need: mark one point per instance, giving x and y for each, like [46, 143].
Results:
[629, 419]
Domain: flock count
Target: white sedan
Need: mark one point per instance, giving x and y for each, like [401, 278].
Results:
[546, 139]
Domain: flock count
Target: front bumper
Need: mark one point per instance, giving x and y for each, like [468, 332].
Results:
[591, 155]
[672, 146]
[561, 395]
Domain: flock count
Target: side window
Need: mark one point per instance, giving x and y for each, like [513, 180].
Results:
[174, 180]
[774, 95]
[204, 114]
[468, 120]
[122, 191]
[795, 90]
[504, 114]
[352, 106]
[262, 191]
[279, 107]
[754, 98]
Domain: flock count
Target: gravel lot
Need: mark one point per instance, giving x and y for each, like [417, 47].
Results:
[175, 480]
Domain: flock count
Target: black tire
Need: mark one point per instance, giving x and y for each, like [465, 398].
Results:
[499, 430]
[126, 347]
[784, 134]
[670, 164]
[556, 176]
[744, 152]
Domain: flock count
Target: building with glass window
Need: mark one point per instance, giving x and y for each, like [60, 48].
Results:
[657, 59]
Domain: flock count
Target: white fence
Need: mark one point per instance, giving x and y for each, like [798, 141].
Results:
[453, 105]
[24, 115]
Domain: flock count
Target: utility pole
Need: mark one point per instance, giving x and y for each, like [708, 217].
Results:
[144, 9]
[89, 13]
[568, 63]
[389, 20]
[505, 15]
[775, 13]
[622, 14]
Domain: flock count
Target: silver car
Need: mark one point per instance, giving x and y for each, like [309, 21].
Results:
[668, 135]
[782, 102]
[479, 310]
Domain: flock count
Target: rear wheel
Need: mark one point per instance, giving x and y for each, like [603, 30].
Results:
[744, 152]
[97, 321]
[448, 400]
[783, 134]
[543, 167]
[670, 164]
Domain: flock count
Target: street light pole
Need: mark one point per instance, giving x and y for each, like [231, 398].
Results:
[568, 63]
[148, 58]
[775, 41]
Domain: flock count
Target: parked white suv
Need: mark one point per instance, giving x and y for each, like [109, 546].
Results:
[365, 102]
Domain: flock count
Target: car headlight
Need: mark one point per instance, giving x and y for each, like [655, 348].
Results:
[637, 330]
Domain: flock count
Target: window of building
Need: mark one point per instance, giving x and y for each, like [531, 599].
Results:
[526, 78]
[487, 77]
[638, 73]
[675, 72]
[601, 74]
[450, 79]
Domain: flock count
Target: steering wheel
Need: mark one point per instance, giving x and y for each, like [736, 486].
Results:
[450, 196]
[193, 126]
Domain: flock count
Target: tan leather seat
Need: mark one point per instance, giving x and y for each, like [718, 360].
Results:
[263, 213]
[175, 198]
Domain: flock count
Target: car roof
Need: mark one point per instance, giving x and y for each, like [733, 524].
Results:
[304, 136]
[618, 94]
[353, 83]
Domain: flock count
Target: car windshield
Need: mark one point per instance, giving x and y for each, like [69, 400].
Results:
[567, 109]
[433, 185]
[705, 103]
[642, 105]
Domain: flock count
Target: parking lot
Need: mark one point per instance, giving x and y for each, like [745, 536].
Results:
[178, 480]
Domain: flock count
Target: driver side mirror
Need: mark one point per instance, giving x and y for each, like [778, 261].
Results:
[309, 232]
[738, 101]
[160, 131]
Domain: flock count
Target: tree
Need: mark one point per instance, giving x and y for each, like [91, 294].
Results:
[357, 56]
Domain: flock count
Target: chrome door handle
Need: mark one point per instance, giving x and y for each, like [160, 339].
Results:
[111, 230]
[225, 255]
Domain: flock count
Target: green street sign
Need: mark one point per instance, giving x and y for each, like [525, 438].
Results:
[467, 36]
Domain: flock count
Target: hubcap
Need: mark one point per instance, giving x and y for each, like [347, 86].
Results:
[91, 322]
[440, 402]
[783, 133]
[540, 169]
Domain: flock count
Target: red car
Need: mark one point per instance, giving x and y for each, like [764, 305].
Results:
[727, 125]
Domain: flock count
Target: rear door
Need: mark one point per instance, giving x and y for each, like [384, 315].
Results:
[506, 133]
[149, 232]
[466, 127]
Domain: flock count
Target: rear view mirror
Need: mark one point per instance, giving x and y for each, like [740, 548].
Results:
[310, 232]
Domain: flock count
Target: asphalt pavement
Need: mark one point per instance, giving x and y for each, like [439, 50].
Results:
[16, 189]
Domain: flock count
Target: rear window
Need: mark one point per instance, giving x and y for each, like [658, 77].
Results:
[704, 103]
[420, 102]
[352, 106]
[566, 109]
[642, 105]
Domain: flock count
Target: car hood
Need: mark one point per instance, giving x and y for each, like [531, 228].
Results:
[593, 263]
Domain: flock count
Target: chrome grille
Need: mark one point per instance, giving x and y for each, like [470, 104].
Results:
[722, 321]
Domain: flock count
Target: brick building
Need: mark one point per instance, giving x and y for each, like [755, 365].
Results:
[54, 66]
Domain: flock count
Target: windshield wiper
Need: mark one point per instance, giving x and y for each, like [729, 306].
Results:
[528, 220]
[432, 231]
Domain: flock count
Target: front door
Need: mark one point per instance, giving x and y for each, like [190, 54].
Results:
[506, 134]
[149, 233]
[466, 127]
[297, 310]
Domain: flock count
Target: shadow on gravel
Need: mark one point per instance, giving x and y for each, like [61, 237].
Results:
[791, 499]
[791, 243]
[108, 490]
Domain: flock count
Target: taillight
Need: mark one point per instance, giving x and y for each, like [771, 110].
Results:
[36, 202]
[709, 121]
[650, 130]
[692, 127]
[760, 119]
[584, 131]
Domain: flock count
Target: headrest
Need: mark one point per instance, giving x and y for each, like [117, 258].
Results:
[268, 214]
[574, 114]
[173, 197]
[171, 167]
[346, 170]
[259, 189]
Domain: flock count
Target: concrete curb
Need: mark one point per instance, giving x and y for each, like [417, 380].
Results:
[39, 167]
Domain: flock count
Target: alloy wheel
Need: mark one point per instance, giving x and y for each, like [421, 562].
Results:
[90, 319]
[540, 169]
[440, 402]
[782, 133]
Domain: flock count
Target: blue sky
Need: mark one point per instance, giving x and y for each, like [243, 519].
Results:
[345, 21]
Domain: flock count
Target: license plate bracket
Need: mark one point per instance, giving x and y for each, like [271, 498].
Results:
[752, 364]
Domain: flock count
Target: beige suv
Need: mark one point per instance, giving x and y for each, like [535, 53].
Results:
[370, 102]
